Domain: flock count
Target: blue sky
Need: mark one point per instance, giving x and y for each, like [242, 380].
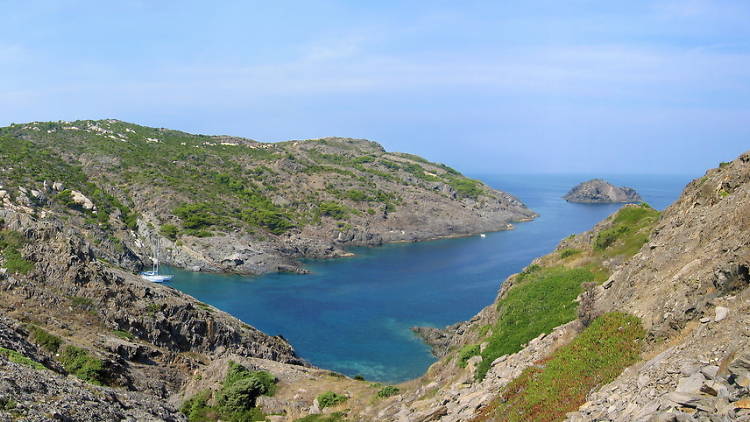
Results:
[628, 86]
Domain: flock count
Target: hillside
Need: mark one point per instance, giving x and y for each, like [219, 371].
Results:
[221, 203]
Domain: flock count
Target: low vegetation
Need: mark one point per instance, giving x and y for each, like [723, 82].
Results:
[20, 359]
[333, 417]
[49, 342]
[330, 399]
[542, 299]
[81, 363]
[630, 230]
[467, 352]
[11, 243]
[388, 391]
[235, 400]
[559, 384]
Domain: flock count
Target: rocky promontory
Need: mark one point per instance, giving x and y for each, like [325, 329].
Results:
[598, 191]
[226, 204]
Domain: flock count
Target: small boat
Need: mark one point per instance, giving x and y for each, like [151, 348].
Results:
[153, 275]
[482, 235]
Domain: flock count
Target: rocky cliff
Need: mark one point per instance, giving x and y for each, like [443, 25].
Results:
[598, 191]
[219, 203]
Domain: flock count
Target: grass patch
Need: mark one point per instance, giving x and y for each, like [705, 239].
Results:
[82, 303]
[235, 401]
[546, 392]
[81, 363]
[629, 232]
[542, 299]
[11, 243]
[49, 342]
[125, 335]
[20, 359]
[204, 306]
[568, 252]
[466, 353]
[330, 399]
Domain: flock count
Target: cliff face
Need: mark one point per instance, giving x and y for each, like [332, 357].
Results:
[598, 191]
[232, 204]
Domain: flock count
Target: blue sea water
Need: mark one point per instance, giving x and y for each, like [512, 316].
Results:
[353, 315]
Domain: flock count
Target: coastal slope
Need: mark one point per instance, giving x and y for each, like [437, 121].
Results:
[221, 203]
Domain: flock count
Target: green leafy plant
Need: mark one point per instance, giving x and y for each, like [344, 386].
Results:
[20, 359]
[82, 364]
[388, 391]
[330, 399]
[48, 341]
[466, 353]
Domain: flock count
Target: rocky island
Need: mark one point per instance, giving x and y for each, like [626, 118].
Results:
[598, 191]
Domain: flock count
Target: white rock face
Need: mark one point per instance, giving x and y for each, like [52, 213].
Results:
[58, 186]
[81, 200]
[721, 313]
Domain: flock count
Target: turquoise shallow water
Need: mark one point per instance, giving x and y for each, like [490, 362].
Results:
[353, 315]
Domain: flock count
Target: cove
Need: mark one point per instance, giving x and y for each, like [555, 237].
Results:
[353, 315]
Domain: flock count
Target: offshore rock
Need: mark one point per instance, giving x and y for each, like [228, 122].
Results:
[598, 191]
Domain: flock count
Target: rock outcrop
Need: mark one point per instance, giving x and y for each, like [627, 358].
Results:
[598, 191]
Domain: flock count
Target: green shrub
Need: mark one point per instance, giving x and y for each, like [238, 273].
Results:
[333, 210]
[197, 216]
[464, 187]
[235, 401]
[80, 363]
[594, 358]
[170, 231]
[541, 299]
[11, 243]
[197, 409]
[329, 399]
[568, 252]
[388, 391]
[49, 342]
[20, 359]
[466, 353]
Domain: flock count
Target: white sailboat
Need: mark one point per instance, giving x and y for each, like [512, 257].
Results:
[154, 275]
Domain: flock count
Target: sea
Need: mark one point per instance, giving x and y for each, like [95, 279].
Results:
[353, 315]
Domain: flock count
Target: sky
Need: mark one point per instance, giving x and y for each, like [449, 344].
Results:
[534, 86]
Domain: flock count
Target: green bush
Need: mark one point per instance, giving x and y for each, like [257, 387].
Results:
[197, 216]
[197, 409]
[464, 187]
[83, 303]
[235, 401]
[170, 231]
[80, 363]
[329, 399]
[388, 391]
[466, 353]
[11, 243]
[49, 342]
[333, 210]
[568, 252]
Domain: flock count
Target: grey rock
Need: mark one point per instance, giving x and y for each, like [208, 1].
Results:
[601, 192]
